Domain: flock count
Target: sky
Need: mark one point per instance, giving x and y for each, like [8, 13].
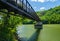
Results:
[39, 5]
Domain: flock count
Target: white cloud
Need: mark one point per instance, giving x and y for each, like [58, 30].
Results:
[42, 8]
[41, 1]
[44, 1]
[34, 0]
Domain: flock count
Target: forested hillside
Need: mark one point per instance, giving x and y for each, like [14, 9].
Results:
[51, 16]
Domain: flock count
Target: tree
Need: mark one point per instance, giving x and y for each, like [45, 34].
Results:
[51, 16]
[8, 26]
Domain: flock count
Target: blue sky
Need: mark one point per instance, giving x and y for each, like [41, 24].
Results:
[39, 5]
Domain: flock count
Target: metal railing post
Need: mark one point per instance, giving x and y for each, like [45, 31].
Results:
[22, 4]
[16, 1]
[26, 5]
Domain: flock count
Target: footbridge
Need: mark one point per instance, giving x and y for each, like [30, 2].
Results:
[21, 7]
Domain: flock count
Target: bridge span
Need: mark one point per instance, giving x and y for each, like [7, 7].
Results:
[21, 7]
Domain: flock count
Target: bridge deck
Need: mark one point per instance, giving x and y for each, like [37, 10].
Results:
[21, 7]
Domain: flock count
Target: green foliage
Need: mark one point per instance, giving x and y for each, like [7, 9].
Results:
[51, 16]
[8, 25]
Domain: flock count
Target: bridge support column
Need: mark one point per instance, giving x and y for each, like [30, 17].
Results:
[38, 25]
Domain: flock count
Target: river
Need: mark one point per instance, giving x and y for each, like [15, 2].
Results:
[48, 33]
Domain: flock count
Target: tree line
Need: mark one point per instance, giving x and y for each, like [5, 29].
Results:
[51, 16]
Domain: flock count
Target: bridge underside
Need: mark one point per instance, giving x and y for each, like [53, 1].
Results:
[16, 10]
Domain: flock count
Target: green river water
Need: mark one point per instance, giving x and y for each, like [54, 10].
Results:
[49, 32]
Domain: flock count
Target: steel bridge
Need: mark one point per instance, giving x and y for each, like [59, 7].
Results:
[21, 7]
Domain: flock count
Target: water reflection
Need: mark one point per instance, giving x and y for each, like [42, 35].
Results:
[28, 33]
[34, 37]
[20, 30]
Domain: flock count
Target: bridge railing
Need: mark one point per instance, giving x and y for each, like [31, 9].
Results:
[22, 4]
